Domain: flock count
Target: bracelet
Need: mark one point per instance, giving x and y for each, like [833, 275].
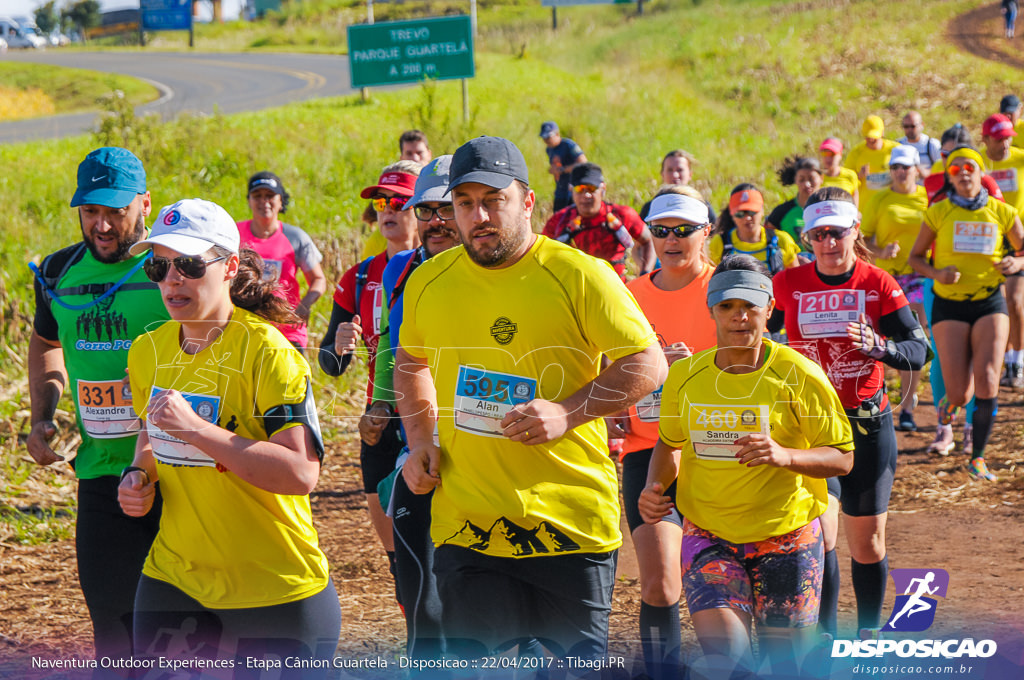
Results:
[134, 468]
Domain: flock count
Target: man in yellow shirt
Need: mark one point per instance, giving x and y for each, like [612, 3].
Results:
[525, 514]
[870, 158]
[1010, 107]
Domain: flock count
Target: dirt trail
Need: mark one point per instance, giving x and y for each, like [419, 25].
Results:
[980, 32]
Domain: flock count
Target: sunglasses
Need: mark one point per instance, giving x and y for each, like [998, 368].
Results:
[819, 235]
[426, 213]
[827, 154]
[680, 232]
[744, 214]
[156, 268]
[585, 188]
[396, 203]
[963, 166]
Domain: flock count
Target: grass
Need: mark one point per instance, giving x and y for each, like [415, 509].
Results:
[48, 90]
[740, 84]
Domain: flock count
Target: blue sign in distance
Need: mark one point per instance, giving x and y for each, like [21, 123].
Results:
[166, 15]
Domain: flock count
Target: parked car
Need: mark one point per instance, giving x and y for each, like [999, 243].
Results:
[17, 35]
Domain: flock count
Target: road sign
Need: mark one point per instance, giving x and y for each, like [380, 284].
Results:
[395, 52]
[166, 15]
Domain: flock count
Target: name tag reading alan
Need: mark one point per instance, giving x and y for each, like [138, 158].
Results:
[825, 314]
[714, 428]
[169, 449]
[484, 398]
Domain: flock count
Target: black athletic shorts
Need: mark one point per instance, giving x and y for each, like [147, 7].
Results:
[378, 461]
[634, 479]
[868, 486]
[968, 311]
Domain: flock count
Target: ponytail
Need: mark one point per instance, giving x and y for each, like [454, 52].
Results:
[252, 293]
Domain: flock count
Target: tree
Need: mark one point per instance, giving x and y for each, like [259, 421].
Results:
[82, 14]
[46, 17]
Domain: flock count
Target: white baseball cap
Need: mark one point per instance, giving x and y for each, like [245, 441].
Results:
[191, 226]
[904, 154]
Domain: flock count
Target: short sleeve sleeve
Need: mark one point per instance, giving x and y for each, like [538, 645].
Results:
[670, 422]
[869, 216]
[282, 376]
[307, 255]
[345, 291]
[634, 225]
[790, 250]
[612, 319]
[715, 248]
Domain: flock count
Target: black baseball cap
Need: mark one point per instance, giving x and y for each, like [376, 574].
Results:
[586, 173]
[1009, 104]
[493, 161]
[266, 180]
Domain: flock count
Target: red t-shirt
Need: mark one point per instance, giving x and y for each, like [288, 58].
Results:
[596, 235]
[816, 319]
[371, 301]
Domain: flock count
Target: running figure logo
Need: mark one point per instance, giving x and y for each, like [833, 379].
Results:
[914, 610]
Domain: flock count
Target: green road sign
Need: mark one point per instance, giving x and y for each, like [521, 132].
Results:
[395, 52]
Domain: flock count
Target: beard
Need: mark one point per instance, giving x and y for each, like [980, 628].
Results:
[443, 232]
[120, 253]
[509, 242]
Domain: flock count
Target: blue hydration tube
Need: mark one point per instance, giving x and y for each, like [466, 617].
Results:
[110, 291]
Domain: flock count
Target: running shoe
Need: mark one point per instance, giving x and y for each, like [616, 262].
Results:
[947, 412]
[943, 443]
[968, 439]
[979, 471]
[1017, 376]
[1004, 378]
[907, 423]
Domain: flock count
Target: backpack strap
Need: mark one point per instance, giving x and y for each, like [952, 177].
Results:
[361, 276]
[410, 266]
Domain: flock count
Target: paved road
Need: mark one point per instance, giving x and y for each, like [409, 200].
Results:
[191, 82]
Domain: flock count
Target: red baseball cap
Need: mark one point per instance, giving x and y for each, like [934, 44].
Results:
[832, 144]
[998, 126]
[402, 183]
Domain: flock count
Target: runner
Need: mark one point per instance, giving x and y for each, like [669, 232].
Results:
[237, 451]
[788, 217]
[890, 224]
[674, 300]
[1005, 164]
[750, 499]
[928, 148]
[676, 170]
[969, 317]
[410, 513]
[740, 230]
[413, 146]
[868, 159]
[525, 512]
[851, 317]
[92, 300]
[563, 157]
[600, 228]
[285, 250]
[833, 174]
[358, 304]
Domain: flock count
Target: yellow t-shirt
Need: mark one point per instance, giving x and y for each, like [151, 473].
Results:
[878, 177]
[1018, 141]
[222, 541]
[891, 216]
[787, 246]
[846, 179]
[971, 241]
[1009, 175]
[375, 244]
[705, 409]
[536, 329]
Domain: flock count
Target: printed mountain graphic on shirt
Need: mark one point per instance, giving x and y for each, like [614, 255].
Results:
[506, 536]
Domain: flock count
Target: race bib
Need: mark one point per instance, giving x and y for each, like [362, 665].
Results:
[825, 314]
[484, 398]
[105, 409]
[648, 409]
[975, 237]
[714, 428]
[876, 181]
[169, 449]
[1005, 178]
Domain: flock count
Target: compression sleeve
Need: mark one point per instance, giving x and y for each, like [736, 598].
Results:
[330, 362]
[906, 347]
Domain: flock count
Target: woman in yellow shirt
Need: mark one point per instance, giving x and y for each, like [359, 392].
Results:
[749, 431]
[970, 322]
[833, 174]
[741, 229]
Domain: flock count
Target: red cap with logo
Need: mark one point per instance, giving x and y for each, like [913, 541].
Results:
[402, 183]
[998, 126]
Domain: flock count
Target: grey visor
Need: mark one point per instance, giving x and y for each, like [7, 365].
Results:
[739, 284]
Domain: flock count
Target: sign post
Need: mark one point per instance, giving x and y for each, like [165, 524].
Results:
[396, 52]
[167, 15]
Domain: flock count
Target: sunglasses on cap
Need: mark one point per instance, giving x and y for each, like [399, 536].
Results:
[962, 166]
[658, 231]
[585, 188]
[425, 213]
[396, 203]
[191, 267]
[822, 233]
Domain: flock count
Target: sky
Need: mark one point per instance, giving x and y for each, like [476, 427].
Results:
[17, 8]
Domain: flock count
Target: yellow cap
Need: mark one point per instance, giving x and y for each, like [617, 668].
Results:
[872, 128]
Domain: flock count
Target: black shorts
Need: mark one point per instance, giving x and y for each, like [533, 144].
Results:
[489, 604]
[835, 489]
[378, 461]
[868, 486]
[634, 479]
[968, 311]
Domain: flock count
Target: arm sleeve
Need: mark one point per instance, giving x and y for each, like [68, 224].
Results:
[906, 347]
[330, 362]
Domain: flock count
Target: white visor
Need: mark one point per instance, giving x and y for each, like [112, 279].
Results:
[830, 214]
[678, 206]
